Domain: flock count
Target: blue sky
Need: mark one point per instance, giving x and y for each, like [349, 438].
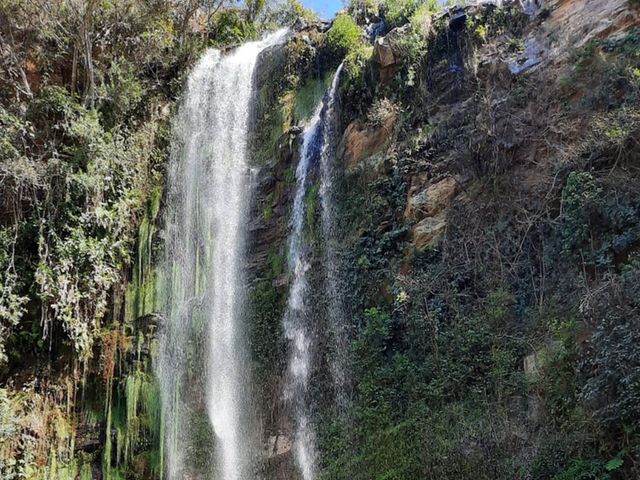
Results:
[328, 8]
[325, 8]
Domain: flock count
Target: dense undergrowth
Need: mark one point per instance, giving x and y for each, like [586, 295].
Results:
[505, 350]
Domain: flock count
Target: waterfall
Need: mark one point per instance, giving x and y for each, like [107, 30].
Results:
[202, 365]
[297, 328]
[335, 312]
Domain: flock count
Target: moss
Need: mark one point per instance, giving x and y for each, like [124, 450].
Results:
[267, 213]
[270, 126]
[202, 438]
[141, 295]
[308, 97]
[276, 262]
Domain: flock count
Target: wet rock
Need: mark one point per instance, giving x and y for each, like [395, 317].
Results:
[532, 7]
[300, 24]
[375, 30]
[533, 55]
[270, 61]
[458, 20]
[277, 445]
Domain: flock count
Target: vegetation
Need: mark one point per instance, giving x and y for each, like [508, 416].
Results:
[490, 354]
[344, 34]
[494, 329]
[87, 92]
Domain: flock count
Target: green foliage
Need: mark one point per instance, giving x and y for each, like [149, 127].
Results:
[590, 470]
[14, 136]
[266, 307]
[120, 92]
[355, 83]
[344, 35]
[287, 12]
[398, 12]
[12, 301]
[84, 130]
[610, 365]
[599, 224]
[580, 195]
[420, 17]
[308, 97]
[230, 28]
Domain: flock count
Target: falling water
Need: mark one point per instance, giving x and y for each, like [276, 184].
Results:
[335, 312]
[298, 330]
[202, 366]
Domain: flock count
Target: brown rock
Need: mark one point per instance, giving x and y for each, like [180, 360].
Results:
[428, 232]
[574, 23]
[428, 204]
[431, 200]
[361, 140]
[388, 53]
[384, 53]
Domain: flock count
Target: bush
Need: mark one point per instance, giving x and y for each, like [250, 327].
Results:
[420, 17]
[610, 365]
[398, 12]
[354, 86]
[344, 35]
[590, 470]
[580, 196]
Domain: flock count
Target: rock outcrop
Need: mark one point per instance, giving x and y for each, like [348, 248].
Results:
[361, 140]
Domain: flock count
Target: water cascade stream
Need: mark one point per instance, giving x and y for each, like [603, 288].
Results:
[335, 311]
[297, 327]
[208, 197]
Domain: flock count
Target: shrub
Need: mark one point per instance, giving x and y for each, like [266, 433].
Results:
[286, 13]
[354, 88]
[420, 17]
[381, 110]
[344, 35]
[399, 12]
[610, 365]
[579, 195]
[590, 470]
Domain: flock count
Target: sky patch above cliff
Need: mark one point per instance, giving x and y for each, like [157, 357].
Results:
[325, 8]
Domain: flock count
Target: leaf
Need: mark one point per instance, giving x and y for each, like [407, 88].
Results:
[613, 464]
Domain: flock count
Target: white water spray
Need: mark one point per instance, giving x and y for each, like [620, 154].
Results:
[203, 365]
[340, 361]
[297, 327]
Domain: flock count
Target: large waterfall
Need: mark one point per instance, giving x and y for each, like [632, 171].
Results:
[203, 366]
[297, 327]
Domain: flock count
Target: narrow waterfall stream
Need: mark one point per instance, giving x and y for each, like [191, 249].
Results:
[296, 321]
[209, 192]
[335, 311]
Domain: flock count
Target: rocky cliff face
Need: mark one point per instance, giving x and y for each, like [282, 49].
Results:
[481, 157]
[487, 250]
